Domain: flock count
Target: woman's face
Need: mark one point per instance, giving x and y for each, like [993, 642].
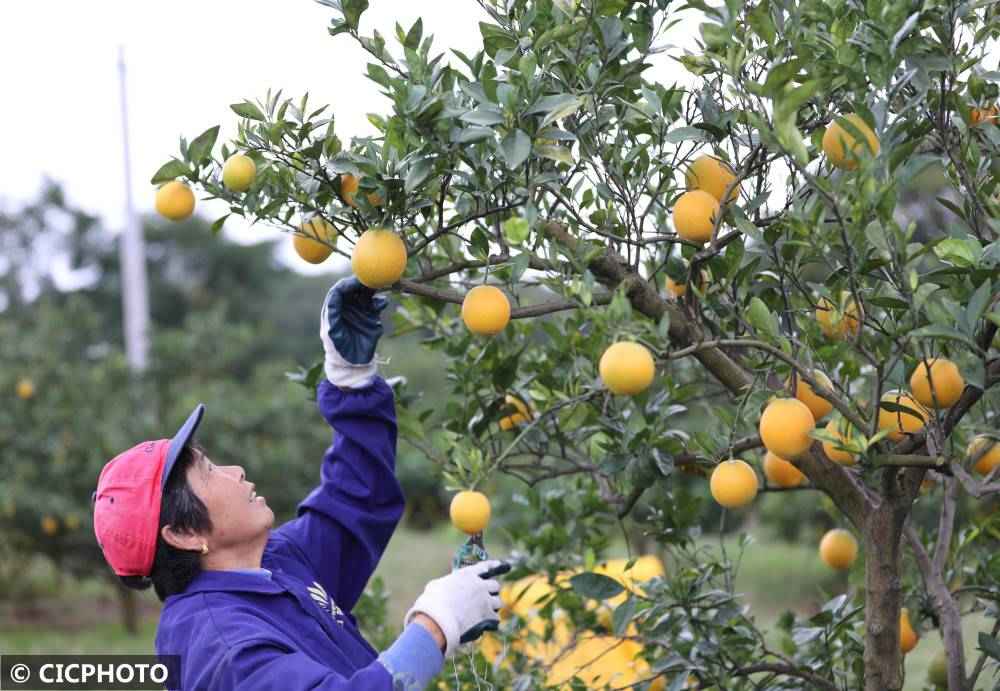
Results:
[238, 515]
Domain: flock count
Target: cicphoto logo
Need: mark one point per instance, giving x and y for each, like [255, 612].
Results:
[111, 672]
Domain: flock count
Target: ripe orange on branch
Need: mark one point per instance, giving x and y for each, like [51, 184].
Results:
[901, 422]
[838, 549]
[694, 215]
[712, 175]
[785, 427]
[627, 368]
[839, 321]
[908, 638]
[838, 142]
[781, 473]
[486, 310]
[985, 452]
[379, 258]
[841, 429]
[175, 200]
[239, 172]
[315, 243]
[733, 483]
[470, 511]
[817, 405]
[522, 414]
[943, 377]
[348, 188]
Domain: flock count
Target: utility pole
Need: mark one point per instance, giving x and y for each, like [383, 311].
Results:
[132, 256]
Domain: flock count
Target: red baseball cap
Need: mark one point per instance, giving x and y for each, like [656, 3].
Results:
[127, 500]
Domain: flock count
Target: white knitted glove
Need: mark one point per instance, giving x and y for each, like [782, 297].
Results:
[463, 604]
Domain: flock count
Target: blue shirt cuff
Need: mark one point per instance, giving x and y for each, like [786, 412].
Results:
[413, 659]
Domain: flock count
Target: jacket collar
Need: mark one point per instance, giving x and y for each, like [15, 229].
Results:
[233, 581]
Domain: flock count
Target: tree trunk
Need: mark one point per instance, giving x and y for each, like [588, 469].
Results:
[883, 600]
[129, 607]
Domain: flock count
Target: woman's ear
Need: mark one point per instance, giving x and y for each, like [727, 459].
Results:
[191, 542]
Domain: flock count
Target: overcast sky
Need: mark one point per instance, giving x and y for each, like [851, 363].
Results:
[187, 61]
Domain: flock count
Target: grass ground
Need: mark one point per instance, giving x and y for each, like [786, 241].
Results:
[414, 557]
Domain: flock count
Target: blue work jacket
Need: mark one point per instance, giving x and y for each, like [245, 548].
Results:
[295, 630]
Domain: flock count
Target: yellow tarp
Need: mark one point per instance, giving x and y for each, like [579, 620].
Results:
[596, 659]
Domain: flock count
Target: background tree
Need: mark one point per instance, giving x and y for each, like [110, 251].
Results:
[550, 160]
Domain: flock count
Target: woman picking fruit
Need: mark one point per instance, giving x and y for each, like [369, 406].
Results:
[251, 607]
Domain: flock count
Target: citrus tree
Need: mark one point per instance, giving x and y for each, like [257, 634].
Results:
[659, 278]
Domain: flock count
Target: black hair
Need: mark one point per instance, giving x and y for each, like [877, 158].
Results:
[174, 569]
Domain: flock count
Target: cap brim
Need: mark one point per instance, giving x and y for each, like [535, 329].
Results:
[180, 440]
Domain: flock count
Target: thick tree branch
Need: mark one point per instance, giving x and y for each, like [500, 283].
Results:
[944, 605]
[612, 271]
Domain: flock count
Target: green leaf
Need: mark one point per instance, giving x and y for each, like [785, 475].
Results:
[414, 35]
[482, 116]
[567, 108]
[782, 74]
[219, 222]
[762, 318]
[964, 252]
[977, 305]
[248, 110]
[353, 9]
[200, 148]
[495, 38]
[989, 645]
[518, 266]
[516, 230]
[516, 148]
[561, 154]
[417, 173]
[623, 615]
[682, 134]
[945, 332]
[474, 134]
[171, 170]
[595, 586]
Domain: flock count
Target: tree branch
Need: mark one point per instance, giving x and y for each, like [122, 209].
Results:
[612, 271]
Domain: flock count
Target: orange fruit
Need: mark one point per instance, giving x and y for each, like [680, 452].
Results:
[986, 451]
[947, 382]
[522, 415]
[175, 201]
[25, 388]
[379, 258]
[627, 368]
[694, 215]
[901, 423]
[239, 172]
[837, 142]
[839, 321]
[486, 310]
[712, 175]
[780, 472]
[733, 483]
[50, 525]
[908, 638]
[348, 188]
[842, 430]
[817, 405]
[785, 427]
[838, 549]
[314, 245]
[470, 511]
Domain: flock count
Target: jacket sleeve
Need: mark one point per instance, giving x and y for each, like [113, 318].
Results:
[344, 524]
[259, 664]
